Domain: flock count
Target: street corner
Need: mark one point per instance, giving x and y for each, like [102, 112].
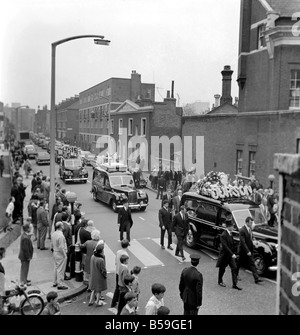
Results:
[8, 237]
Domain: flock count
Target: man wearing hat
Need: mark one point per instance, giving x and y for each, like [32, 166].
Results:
[227, 255]
[190, 287]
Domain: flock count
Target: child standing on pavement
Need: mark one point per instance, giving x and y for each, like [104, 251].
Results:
[135, 284]
[8, 213]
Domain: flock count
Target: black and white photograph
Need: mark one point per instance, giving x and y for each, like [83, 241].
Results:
[150, 160]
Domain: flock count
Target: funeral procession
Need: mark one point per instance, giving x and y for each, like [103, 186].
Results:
[123, 192]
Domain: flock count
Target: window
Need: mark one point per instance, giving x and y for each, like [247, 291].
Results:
[261, 36]
[207, 212]
[143, 127]
[239, 162]
[130, 126]
[120, 126]
[251, 164]
[295, 89]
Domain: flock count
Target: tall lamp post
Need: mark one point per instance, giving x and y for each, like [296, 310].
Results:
[98, 39]
[17, 121]
[271, 178]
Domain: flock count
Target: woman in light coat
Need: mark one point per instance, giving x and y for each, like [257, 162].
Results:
[98, 275]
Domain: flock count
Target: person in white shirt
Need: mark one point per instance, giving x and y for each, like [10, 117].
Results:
[59, 247]
[158, 291]
[8, 213]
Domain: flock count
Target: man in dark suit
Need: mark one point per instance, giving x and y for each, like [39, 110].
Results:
[26, 252]
[125, 221]
[161, 184]
[246, 249]
[176, 201]
[165, 224]
[190, 287]
[181, 227]
[227, 256]
[168, 196]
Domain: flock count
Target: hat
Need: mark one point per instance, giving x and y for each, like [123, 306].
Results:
[195, 257]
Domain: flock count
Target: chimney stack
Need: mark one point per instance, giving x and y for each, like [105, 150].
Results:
[172, 95]
[168, 94]
[217, 100]
[226, 88]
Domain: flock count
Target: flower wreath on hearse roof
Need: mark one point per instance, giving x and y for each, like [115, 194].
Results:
[217, 186]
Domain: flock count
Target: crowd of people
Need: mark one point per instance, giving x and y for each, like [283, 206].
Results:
[67, 226]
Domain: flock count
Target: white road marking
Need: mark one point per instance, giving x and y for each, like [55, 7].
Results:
[141, 218]
[110, 295]
[143, 254]
[109, 259]
[172, 252]
[88, 181]
[113, 310]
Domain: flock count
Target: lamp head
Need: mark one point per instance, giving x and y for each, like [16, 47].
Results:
[101, 42]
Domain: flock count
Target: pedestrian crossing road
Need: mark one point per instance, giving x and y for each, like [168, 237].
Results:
[140, 254]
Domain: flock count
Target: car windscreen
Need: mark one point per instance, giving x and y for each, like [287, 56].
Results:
[73, 163]
[44, 154]
[121, 180]
[254, 212]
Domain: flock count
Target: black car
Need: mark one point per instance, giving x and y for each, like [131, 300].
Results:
[112, 184]
[207, 218]
[71, 169]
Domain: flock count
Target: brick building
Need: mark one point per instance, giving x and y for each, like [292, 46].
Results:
[96, 102]
[145, 123]
[42, 121]
[67, 120]
[244, 140]
[288, 276]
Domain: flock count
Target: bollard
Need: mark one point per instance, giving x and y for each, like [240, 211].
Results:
[78, 269]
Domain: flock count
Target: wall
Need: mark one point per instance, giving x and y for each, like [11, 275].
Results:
[288, 301]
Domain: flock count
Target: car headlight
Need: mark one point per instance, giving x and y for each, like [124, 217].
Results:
[141, 193]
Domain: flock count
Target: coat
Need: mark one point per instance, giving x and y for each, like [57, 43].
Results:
[176, 203]
[190, 286]
[164, 217]
[246, 243]
[98, 274]
[180, 226]
[26, 248]
[42, 218]
[89, 247]
[227, 249]
[124, 216]
[165, 197]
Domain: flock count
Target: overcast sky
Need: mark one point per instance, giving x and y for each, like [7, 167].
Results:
[188, 41]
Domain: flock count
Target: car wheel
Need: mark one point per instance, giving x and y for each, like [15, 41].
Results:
[114, 206]
[260, 263]
[143, 208]
[95, 195]
[191, 238]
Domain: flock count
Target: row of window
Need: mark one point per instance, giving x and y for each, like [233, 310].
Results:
[251, 163]
[97, 94]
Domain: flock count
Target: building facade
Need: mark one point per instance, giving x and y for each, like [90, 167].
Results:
[42, 121]
[97, 102]
[67, 121]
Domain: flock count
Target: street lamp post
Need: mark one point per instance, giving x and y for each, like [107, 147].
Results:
[98, 39]
[17, 121]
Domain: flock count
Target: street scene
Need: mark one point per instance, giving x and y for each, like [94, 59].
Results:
[132, 199]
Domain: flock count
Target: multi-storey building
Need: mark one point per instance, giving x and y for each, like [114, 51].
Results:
[42, 121]
[67, 120]
[97, 102]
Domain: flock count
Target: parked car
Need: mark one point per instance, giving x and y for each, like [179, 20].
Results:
[89, 159]
[42, 157]
[207, 217]
[112, 184]
[30, 151]
[72, 169]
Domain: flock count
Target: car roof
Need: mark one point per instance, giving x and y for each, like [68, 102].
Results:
[98, 168]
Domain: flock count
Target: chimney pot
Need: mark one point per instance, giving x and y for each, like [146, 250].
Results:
[217, 100]
[172, 94]
[168, 94]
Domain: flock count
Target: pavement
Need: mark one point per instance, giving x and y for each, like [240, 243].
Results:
[41, 270]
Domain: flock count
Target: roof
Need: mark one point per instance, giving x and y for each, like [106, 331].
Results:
[284, 7]
[129, 106]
